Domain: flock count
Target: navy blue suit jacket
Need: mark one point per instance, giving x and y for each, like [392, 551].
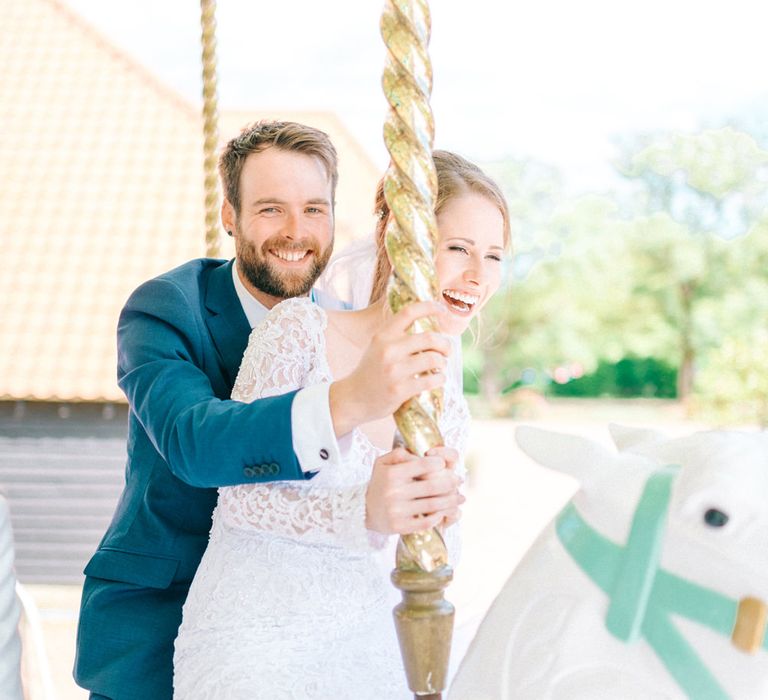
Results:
[180, 337]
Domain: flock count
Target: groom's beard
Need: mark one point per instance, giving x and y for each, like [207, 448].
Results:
[266, 275]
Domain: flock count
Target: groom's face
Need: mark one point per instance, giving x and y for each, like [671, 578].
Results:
[284, 231]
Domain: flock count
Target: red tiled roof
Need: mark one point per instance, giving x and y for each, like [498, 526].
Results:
[101, 168]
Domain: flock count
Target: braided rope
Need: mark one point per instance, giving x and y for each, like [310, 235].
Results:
[210, 126]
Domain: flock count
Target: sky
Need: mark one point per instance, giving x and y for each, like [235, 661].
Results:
[553, 80]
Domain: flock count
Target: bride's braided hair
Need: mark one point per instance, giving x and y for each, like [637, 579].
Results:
[455, 176]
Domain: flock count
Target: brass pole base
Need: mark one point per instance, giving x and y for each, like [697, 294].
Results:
[424, 623]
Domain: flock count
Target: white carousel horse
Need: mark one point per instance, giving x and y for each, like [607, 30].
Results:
[651, 583]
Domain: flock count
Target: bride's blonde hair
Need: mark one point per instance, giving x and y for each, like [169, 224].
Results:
[455, 176]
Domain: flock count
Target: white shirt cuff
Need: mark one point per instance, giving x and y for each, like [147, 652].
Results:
[314, 440]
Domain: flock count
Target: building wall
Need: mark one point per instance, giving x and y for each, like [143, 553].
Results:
[61, 468]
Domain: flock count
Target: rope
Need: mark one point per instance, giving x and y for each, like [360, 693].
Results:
[210, 126]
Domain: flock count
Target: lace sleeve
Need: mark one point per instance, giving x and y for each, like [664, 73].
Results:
[333, 517]
[285, 352]
[282, 351]
[455, 428]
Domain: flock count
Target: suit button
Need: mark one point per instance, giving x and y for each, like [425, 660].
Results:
[323, 453]
[248, 471]
[274, 468]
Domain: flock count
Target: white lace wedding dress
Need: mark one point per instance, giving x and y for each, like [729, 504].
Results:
[292, 598]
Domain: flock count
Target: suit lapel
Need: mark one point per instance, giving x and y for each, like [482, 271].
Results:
[226, 320]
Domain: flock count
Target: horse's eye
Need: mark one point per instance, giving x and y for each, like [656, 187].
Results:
[715, 518]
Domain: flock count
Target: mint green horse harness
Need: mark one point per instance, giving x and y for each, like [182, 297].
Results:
[642, 595]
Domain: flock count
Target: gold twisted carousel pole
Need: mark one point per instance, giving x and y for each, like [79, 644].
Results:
[210, 126]
[424, 619]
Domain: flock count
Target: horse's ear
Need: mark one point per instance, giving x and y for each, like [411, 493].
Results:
[570, 454]
[626, 438]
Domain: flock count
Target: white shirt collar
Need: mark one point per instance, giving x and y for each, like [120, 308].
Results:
[254, 310]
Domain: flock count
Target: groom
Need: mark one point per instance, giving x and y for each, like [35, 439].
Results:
[180, 340]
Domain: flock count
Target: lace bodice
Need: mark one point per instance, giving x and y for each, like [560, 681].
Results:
[290, 566]
[285, 353]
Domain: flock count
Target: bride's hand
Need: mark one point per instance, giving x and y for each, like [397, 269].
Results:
[396, 366]
[451, 458]
[408, 493]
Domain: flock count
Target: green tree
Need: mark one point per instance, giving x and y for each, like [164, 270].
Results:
[733, 384]
[663, 268]
[699, 195]
[559, 304]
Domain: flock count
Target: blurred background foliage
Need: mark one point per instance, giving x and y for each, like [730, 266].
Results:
[656, 288]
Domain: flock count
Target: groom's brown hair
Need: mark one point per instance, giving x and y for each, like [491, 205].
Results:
[287, 136]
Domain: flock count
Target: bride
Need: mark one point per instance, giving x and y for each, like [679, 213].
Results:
[292, 598]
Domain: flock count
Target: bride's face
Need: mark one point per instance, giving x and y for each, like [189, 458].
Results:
[468, 259]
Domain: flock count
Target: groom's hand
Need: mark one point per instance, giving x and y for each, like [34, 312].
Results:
[408, 493]
[396, 366]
